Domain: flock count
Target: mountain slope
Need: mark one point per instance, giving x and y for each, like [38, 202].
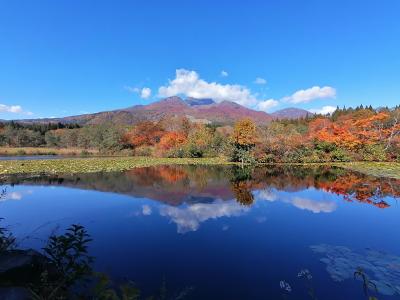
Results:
[291, 113]
[197, 110]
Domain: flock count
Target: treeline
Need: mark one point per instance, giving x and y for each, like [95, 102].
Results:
[348, 134]
[104, 137]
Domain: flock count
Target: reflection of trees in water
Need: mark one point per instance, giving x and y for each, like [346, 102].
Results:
[242, 193]
[175, 185]
[351, 186]
[241, 184]
[371, 190]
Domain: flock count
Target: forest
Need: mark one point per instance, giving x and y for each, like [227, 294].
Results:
[348, 134]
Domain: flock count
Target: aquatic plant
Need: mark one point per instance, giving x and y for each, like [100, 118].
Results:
[367, 284]
[7, 240]
[285, 286]
[306, 275]
[104, 290]
[341, 263]
[92, 165]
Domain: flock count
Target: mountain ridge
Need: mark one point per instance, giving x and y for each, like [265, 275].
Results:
[197, 110]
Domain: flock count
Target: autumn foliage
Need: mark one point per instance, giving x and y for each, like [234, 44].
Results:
[359, 134]
[171, 140]
[346, 135]
[244, 132]
[144, 134]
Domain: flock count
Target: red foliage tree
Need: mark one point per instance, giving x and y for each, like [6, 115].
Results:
[144, 134]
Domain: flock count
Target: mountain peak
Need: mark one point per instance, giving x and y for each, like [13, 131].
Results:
[195, 101]
[172, 99]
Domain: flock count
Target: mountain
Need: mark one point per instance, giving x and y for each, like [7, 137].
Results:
[197, 110]
[290, 113]
[194, 101]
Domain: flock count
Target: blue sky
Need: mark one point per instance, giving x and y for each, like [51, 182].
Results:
[61, 58]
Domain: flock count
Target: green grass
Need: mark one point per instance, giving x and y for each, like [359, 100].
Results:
[90, 165]
[379, 169]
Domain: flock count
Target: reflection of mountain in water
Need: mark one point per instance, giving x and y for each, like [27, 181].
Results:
[175, 185]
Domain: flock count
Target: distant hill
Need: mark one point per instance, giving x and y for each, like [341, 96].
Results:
[197, 110]
[291, 113]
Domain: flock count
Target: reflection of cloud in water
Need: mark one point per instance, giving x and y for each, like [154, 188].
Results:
[188, 218]
[16, 195]
[266, 195]
[225, 227]
[261, 219]
[146, 210]
[316, 206]
[383, 269]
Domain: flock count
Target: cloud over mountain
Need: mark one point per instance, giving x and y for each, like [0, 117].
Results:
[267, 104]
[190, 84]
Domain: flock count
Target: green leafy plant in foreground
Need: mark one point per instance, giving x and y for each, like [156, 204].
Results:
[64, 272]
[68, 264]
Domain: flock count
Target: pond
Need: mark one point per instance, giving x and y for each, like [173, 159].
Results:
[34, 157]
[224, 232]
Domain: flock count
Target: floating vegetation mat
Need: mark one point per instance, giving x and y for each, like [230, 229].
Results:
[382, 269]
[90, 165]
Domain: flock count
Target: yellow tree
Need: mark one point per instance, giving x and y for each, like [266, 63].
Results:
[244, 138]
[244, 133]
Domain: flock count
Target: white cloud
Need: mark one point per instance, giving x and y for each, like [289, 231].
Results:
[324, 110]
[260, 80]
[10, 109]
[189, 218]
[267, 104]
[15, 109]
[190, 84]
[131, 89]
[307, 95]
[314, 206]
[144, 93]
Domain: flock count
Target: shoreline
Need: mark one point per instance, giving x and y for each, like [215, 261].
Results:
[117, 163]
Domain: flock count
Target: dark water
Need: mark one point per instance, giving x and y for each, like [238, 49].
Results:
[33, 157]
[224, 233]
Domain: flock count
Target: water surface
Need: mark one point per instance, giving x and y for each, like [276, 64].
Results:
[33, 157]
[224, 232]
